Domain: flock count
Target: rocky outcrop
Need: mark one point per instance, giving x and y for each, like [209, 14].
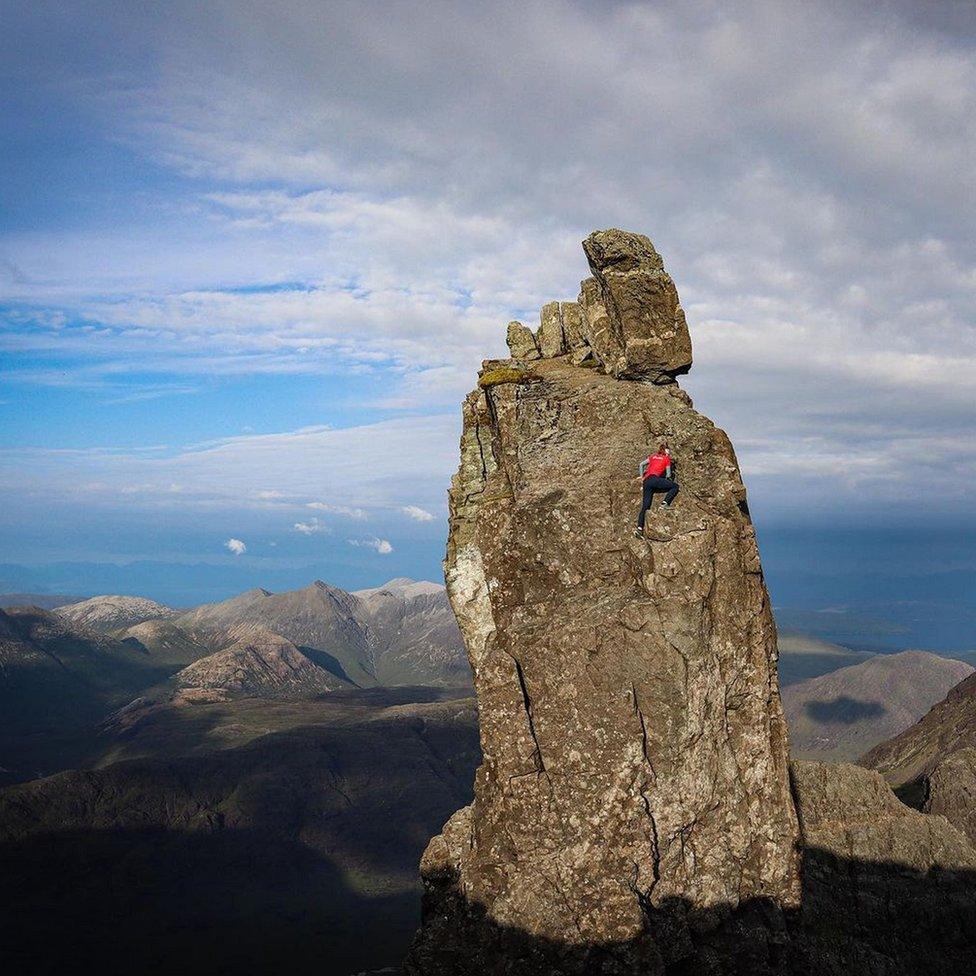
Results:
[633, 812]
[635, 753]
[932, 764]
[627, 318]
[886, 890]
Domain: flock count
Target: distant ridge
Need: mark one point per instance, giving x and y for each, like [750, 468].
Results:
[259, 664]
[932, 764]
[107, 613]
[402, 586]
[63, 672]
[46, 601]
[402, 632]
[838, 716]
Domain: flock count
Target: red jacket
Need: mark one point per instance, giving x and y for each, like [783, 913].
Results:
[655, 466]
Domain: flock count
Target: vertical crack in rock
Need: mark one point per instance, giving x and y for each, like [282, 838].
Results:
[527, 704]
[643, 897]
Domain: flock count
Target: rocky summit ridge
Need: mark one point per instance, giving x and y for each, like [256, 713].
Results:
[635, 811]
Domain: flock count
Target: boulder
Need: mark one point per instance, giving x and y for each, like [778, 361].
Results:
[550, 337]
[521, 341]
[634, 321]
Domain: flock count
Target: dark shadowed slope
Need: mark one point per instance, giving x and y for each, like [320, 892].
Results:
[932, 764]
[56, 681]
[294, 852]
[168, 644]
[840, 715]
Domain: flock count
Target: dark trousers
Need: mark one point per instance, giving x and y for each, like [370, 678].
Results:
[652, 486]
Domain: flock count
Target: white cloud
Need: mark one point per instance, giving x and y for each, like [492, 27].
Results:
[382, 546]
[419, 453]
[311, 527]
[417, 513]
[235, 546]
[354, 513]
[384, 206]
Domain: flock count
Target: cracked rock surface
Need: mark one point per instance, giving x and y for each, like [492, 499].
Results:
[634, 745]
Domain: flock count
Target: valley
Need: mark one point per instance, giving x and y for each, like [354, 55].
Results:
[273, 765]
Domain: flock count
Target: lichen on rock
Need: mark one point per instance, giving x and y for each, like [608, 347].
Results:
[500, 374]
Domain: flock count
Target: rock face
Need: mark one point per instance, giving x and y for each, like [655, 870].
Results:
[633, 812]
[635, 752]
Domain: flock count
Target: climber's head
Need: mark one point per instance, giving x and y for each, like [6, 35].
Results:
[662, 448]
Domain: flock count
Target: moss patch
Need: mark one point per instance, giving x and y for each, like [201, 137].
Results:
[504, 374]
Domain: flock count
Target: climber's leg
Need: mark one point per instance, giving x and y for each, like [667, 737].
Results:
[672, 492]
[648, 498]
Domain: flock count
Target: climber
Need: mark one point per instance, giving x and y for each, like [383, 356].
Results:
[657, 474]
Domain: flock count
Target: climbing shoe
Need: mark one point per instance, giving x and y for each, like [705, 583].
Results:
[638, 533]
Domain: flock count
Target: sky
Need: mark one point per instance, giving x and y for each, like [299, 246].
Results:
[251, 256]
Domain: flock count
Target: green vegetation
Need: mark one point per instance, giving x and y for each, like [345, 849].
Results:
[505, 374]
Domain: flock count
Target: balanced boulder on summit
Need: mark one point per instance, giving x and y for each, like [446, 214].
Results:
[627, 318]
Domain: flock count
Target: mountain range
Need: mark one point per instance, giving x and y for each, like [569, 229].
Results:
[277, 762]
[63, 671]
[270, 766]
